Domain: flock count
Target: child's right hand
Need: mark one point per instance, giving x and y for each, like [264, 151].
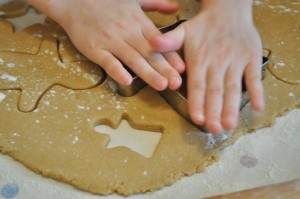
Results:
[109, 32]
[221, 45]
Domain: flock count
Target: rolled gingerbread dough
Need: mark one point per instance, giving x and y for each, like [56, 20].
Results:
[58, 138]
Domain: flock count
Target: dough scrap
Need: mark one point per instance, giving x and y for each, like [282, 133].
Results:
[13, 8]
[280, 31]
[58, 138]
[44, 69]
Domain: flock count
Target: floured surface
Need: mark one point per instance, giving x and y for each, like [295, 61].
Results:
[66, 146]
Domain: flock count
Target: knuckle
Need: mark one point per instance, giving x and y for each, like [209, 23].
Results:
[106, 61]
[154, 57]
[233, 87]
[134, 59]
[215, 90]
[110, 66]
[198, 51]
[254, 77]
[198, 86]
[112, 70]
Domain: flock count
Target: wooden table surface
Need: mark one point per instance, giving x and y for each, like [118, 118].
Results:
[287, 190]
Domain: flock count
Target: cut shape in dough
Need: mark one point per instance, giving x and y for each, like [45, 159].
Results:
[21, 71]
[67, 52]
[140, 141]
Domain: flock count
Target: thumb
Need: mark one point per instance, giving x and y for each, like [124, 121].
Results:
[170, 41]
[164, 6]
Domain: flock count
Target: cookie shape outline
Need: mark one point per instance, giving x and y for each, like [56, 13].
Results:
[14, 65]
[67, 51]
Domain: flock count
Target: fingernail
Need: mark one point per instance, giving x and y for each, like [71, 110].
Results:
[199, 119]
[161, 83]
[229, 123]
[215, 127]
[259, 105]
[175, 83]
[180, 66]
[127, 81]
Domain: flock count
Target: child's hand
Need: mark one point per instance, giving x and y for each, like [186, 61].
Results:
[221, 45]
[110, 31]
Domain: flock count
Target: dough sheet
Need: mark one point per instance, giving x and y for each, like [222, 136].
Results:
[52, 99]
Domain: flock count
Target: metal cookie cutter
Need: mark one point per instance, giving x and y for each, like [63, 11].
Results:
[178, 98]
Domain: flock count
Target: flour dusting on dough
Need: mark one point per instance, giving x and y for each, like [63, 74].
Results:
[2, 97]
[8, 78]
[10, 65]
[257, 2]
[75, 140]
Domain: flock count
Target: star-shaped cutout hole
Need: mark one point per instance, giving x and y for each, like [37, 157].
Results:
[141, 141]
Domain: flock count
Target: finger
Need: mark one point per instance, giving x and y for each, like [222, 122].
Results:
[197, 69]
[172, 57]
[232, 96]
[112, 66]
[136, 62]
[170, 41]
[214, 96]
[254, 86]
[156, 60]
[164, 6]
[160, 64]
[176, 61]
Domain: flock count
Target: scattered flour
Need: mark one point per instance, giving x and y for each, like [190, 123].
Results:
[8, 78]
[75, 140]
[2, 97]
[10, 65]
